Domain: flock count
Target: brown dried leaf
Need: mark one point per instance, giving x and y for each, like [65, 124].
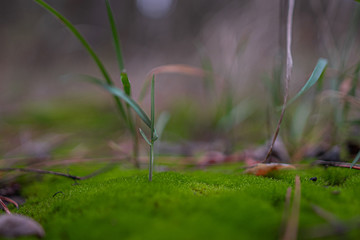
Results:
[263, 169]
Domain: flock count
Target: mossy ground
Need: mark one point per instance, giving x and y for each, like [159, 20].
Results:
[214, 203]
[217, 203]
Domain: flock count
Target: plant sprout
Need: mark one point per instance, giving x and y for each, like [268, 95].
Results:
[125, 113]
[119, 94]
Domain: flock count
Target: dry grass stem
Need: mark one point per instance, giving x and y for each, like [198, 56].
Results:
[289, 66]
[291, 230]
[287, 205]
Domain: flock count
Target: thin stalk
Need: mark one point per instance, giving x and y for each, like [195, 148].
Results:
[292, 226]
[289, 66]
[151, 161]
[136, 150]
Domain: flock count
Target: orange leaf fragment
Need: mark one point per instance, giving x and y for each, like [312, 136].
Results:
[263, 169]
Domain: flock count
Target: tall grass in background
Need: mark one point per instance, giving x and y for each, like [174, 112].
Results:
[341, 84]
[124, 112]
[230, 111]
[343, 77]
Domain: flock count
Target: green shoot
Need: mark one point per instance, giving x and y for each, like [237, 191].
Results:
[138, 110]
[115, 37]
[126, 115]
[153, 134]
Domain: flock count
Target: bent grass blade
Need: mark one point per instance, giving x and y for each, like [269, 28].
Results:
[119, 93]
[317, 74]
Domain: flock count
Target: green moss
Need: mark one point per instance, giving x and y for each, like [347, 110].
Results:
[215, 204]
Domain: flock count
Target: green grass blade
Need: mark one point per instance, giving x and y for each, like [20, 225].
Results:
[121, 94]
[316, 75]
[355, 160]
[153, 109]
[144, 136]
[87, 46]
[126, 83]
[115, 37]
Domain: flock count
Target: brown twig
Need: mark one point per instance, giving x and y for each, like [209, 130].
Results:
[336, 164]
[5, 207]
[9, 200]
[293, 221]
[40, 171]
[289, 66]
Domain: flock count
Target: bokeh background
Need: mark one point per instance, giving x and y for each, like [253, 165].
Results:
[241, 41]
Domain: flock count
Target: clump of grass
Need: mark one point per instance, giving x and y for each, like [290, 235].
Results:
[317, 74]
[108, 84]
[126, 115]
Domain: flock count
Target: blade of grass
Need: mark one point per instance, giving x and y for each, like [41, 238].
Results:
[356, 159]
[316, 75]
[127, 89]
[144, 136]
[126, 83]
[119, 93]
[115, 37]
[88, 48]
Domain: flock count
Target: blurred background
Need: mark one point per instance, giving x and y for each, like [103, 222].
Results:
[240, 42]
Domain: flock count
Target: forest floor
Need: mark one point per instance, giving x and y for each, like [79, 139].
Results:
[218, 203]
[183, 201]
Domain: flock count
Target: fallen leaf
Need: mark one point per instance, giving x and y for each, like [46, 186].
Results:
[263, 169]
[212, 157]
[18, 225]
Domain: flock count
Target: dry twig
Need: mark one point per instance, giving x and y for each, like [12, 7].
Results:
[40, 171]
[4, 205]
[336, 164]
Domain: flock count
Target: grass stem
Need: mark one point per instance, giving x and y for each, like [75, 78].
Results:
[289, 66]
